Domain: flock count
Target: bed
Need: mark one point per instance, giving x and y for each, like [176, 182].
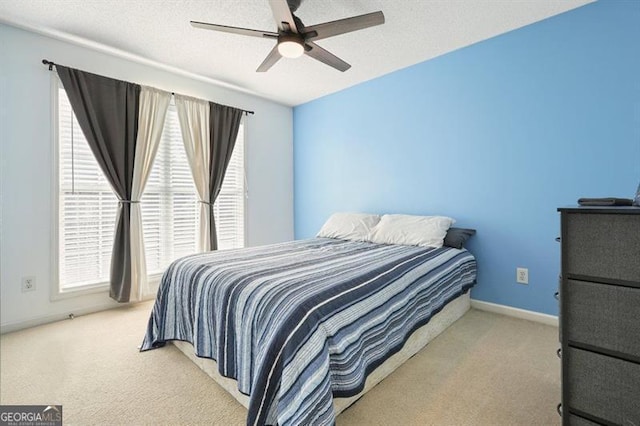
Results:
[297, 331]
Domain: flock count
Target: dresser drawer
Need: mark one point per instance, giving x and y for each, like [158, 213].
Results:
[579, 421]
[602, 315]
[602, 386]
[602, 245]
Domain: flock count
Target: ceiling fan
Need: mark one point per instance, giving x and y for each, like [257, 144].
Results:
[294, 39]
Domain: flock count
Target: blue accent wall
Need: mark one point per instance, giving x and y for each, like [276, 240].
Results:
[497, 135]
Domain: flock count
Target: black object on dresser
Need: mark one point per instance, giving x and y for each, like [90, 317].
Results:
[600, 315]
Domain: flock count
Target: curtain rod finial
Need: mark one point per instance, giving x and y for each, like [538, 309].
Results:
[44, 61]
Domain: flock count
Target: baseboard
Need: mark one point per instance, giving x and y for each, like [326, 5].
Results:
[476, 304]
[515, 312]
[46, 319]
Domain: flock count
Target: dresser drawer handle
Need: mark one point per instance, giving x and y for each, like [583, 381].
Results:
[559, 409]
[557, 295]
[559, 352]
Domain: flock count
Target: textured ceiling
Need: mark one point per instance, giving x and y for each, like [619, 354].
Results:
[159, 30]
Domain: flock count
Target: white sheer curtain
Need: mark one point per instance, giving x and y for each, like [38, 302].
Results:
[193, 115]
[153, 109]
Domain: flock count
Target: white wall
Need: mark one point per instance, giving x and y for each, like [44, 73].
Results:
[26, 159]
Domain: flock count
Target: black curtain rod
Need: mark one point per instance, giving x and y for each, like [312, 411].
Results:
[52, 64]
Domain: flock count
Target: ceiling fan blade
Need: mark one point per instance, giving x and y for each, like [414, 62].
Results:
[283, 16]
[317, 52]
[270, 60]
[342, 26]
[234, 30]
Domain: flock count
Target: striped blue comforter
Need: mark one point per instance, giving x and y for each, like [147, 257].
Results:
[300, 322]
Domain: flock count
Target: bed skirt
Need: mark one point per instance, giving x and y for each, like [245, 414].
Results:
[453, 311]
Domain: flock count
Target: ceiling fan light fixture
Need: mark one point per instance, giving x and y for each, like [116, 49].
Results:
[290, 47]
[295, 39]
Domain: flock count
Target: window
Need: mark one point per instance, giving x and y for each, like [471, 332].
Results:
[229, 206]
[86, 205]
[170, 211]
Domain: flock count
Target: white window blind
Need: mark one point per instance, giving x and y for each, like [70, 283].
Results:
[87, 205]
[229, 207]
[169, 203]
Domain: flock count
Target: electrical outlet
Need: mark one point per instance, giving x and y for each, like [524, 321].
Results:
[522, 275]
[28, 284]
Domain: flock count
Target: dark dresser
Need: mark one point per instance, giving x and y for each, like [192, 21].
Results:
[600, 315]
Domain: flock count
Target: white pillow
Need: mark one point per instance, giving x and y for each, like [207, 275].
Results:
[349, 226]
[424, 231]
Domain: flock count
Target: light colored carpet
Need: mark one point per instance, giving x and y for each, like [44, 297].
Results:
[486, 369]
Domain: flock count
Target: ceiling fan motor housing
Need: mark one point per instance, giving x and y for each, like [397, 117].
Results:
[294, 4]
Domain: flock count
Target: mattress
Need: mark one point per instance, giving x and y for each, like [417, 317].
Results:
[297, 324]
[453, 311]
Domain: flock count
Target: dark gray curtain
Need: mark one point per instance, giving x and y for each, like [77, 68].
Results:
[224, 122]
[107, 111]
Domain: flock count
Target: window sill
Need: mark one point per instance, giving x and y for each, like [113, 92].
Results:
[57, 294]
